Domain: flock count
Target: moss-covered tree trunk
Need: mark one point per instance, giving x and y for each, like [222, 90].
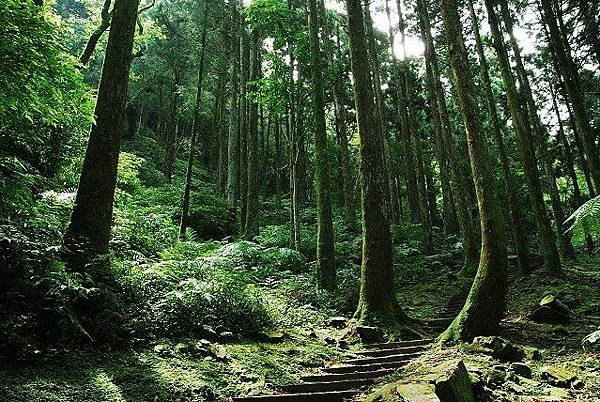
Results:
[233, 151]
[221, 114]
[459, 190]
[244, 126]
[570, 75]
[483, 309]
[518, 231]
[540, 134]
[391, 198]
[377, 296]
[195, 124]
[88, 232]
[569, 166]
[325, 248]
[251, 223]
[526, 149]
[449, 219]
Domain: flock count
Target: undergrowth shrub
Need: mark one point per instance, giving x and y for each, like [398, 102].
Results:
[200, 297]
[264, 260]
[42, 304]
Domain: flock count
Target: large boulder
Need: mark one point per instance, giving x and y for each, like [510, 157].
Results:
[454, 384]
[498, 348]
[550, 311]
[558, 376]
[591, 343]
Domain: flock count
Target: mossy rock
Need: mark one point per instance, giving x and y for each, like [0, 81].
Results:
[558, 376]
[454, 384]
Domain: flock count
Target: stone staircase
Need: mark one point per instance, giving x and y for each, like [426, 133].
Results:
[343, 382]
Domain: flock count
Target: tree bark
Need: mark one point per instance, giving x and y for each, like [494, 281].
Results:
[325, 243]
[251, 226]
[195, 125]
[570, 76]
[377, 294]
[526, 150]
[483, 309]
[459, 191]
[233, 157]
[88, 232]
[518, 231]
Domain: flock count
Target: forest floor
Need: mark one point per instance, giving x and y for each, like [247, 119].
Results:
[168, 370]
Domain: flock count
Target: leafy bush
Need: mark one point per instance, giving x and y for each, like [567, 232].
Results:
[41, 304]
[266, 260]
[145, 222]
[209, 216]
[195, 297]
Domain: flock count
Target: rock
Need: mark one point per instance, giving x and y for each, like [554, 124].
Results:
[551, 311]
[498, 348]
[521, 369]
[369, 334]
[218, 352]
[494, 377]
[272, 336]
[533, 354]
[162, 349]
[514, 387]
[329, 340]
[454, 384]
[591, 343]
[417, 392]
[338, 322]
[558, 377]
[182, 348]
[226, 336]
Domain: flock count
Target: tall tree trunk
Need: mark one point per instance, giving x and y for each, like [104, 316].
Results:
[518, 231]
[589, 13]
[483, 309]
[325, 242]
[221, 109]
[277, 163]
[540, 134]
[526, 150]
[449, 213]
[570, 75]
[195, 124]
[88, 232]
[405, 135]
[244, 126]
[171, 129]
[233, 157]
[377, 295]
[459, 190]
[341, 130]
[293, 155]
[570, 167]
[380, 105]
[253, 180]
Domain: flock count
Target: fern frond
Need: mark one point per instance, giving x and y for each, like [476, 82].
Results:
[589, 209]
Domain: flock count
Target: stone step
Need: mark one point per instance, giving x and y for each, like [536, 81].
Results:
[400, 344]
[347, 376]
[344, 385]
[384, 359]
[349, 368]
[328, 396]
[389, 352]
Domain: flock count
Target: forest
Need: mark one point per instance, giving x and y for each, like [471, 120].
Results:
[299, 200]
